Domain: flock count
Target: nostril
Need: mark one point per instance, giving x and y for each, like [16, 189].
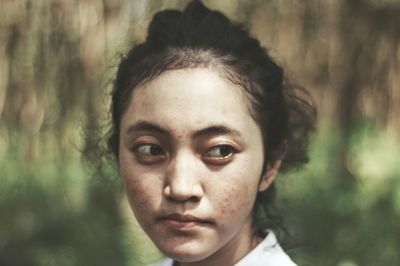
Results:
[192, 199]
[181, 194]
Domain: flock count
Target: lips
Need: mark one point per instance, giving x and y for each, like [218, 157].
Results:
[183, 222]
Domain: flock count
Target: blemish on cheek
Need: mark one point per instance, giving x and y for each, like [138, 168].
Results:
[224, 209]
[236, 201]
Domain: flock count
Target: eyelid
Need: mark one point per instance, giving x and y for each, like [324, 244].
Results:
[224, 142]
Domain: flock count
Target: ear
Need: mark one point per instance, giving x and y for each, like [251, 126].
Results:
[270, 175]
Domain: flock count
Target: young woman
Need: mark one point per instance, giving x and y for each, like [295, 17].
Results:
[202, 122]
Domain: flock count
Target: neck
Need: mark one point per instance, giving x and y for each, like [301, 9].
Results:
[231, 252]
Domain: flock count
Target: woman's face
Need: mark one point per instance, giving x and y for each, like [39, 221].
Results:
[191, 157]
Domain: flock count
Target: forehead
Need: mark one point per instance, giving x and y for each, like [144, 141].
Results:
[186, 99]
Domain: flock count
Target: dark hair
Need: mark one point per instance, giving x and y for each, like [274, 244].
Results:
[199, 37]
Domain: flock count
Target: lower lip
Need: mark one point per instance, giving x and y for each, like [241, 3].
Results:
[181, 226]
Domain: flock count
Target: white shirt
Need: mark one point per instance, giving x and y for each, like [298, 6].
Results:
[266, 253]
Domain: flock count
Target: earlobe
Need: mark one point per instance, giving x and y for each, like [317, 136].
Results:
[270, 175]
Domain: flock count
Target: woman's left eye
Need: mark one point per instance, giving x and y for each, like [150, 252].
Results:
[220, 152]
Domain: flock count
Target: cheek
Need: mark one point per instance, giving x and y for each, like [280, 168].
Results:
[141, 189]
[239, 190]
[234, 203]
[143, 199]
[138, 192]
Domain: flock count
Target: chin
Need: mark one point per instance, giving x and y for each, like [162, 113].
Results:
[186, 252]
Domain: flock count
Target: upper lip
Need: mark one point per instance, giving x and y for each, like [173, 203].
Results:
[184, 218]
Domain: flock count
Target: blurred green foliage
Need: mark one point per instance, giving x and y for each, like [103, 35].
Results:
[62, 203]
[338, 221]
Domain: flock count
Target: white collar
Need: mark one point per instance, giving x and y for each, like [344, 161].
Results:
[267, 253]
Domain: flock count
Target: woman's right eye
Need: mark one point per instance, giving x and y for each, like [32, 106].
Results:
[149, 153]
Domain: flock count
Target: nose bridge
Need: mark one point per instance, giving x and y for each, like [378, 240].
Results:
[183, 180]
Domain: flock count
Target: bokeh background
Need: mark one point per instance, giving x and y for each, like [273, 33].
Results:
[61, 203]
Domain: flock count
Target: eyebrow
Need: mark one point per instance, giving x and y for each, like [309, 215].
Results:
[210, 130]
[146, 126]
[216, 130]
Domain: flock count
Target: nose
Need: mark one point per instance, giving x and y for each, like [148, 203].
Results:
[182, 181]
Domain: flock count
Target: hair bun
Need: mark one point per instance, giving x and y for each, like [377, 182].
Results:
[195, 12]
[205, 27]
[196, 26]
[164, 27]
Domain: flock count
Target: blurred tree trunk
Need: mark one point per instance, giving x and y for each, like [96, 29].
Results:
[361, 68]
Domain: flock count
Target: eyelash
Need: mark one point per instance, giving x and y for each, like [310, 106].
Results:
[146, 156]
